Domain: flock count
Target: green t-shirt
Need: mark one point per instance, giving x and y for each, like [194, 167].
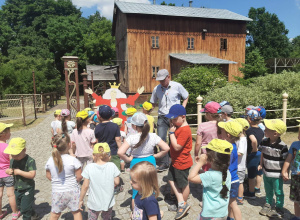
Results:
[26, 164]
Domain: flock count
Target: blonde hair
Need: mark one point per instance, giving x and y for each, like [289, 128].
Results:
[147, 178]
[59, 144]
[104, 156]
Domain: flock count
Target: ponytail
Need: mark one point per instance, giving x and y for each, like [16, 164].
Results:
[79, 123]
[64, 125]
[224, 190]
[59, 144]
[144, 135]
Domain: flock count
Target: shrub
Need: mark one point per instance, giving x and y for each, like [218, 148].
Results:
[266, 91]
[198, 80]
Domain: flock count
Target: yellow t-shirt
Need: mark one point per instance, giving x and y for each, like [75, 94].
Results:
[151, 122]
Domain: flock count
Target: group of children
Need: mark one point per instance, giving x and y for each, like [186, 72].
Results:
[225, 149]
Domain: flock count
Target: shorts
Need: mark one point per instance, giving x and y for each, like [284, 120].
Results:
[253, 161]
[295, 189]
[241, 174]
[116, 160]
[106, 215]
[210, 218]
[7, 181]
[62, 200]
[234, 191]
[180, 177]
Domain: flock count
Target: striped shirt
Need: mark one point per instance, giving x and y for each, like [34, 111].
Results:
[273, 157]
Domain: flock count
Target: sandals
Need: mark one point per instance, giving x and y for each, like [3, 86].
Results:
[4, 213]
[15, 216]
[240, 200]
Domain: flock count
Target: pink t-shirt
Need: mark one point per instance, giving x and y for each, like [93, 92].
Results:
[208, 131]
[83, 140]
[4, 160]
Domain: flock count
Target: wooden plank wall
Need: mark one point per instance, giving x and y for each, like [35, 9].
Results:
[173, 33]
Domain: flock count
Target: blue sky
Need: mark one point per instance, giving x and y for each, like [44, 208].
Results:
[288, 11]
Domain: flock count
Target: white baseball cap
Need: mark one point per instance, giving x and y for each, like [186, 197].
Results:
[139, 119]
[162, 74]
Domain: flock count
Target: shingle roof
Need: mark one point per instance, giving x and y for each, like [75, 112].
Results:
[139, 8]
[200, 59]
[101, 73]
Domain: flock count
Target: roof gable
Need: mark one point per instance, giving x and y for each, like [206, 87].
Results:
[149, 9]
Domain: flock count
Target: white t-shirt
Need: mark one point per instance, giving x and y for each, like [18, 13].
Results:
[54, 125]
[66, 180]
[101, 194]
[147, 147]
[241, 145]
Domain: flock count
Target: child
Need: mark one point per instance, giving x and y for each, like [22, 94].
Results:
[142, 145]
[100, 178]
[226, 112]
[147, 109]
[64, 172]
[108, 132]
[144, 180]
[254, 138]
[23, 167]
[5, 179]
[82, 139]
[119, 121]
[128, 128]
[241, 145]
[208, 130]
[273, 153]
[215, 181]
[293, 158]
[116, 110]
[91, 124]
[56, 123]
[231, 131]
[67, 126]
[180, 136]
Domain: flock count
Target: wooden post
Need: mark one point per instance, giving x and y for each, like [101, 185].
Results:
[92, 77]
[23, 110]
[34, 106]
[85, 86]
[284, 106]
[199, 107]
[34, 93]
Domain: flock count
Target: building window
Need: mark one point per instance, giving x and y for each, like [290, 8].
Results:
[155, 41]
[223, 44]
[190, 43]
[155, 69]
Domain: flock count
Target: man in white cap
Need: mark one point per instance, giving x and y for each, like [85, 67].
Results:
[167, 93]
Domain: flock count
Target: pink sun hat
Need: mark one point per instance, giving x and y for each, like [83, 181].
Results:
[212, 107]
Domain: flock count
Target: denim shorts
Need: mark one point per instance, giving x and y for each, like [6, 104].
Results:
[7, 181]
[234, 191]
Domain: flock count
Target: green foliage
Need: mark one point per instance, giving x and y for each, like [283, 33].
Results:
[268, 34]
[199, 80]
[170, 4]
[266, 91]
[254, 66]
[296, 47]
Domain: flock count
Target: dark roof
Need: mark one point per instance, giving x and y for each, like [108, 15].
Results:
[139, 8]
[101, 73]
[200, 59]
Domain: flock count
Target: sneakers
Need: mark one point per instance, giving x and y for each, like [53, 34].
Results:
[249, 195]
[171, 197]
[182, 210]
[162, 168]
[265, 210]
[15, 216]
[35, 217]
[240, 201]
[276, 213]
[257, 192]
[172, 208]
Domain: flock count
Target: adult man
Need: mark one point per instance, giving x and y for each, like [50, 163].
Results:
[167, 93]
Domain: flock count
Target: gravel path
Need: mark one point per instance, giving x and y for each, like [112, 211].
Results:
[38, 146]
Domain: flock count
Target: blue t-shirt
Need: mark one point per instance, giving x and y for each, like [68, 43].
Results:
[145, 207]
[295, 151]
[107, 132]
[233, 167]
[213, 204]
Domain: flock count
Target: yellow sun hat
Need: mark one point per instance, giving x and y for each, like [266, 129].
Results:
[104, 145]
[3, 126]
[15, 146]
[276, 125]
[232, 127]
[220, 146]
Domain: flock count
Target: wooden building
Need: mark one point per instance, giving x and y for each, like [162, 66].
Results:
[153, 37]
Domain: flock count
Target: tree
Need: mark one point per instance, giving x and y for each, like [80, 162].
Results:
[254, 66]
[296, 47]
[268, 34]
[198, 80]
[170, 4]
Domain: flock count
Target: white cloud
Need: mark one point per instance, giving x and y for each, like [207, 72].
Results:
[297, 3]
[104, 6]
